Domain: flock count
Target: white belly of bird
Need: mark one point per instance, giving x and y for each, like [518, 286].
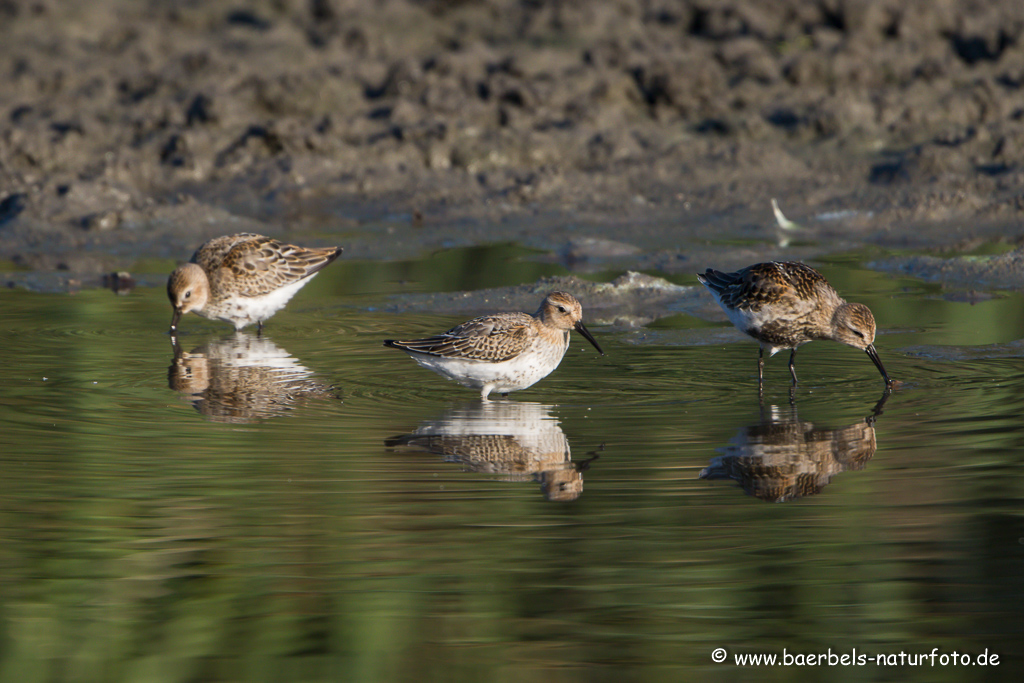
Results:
[517, 373]
[246, 310]
[746, 319]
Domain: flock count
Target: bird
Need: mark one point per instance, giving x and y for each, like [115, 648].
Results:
[502, 352]
[783, 305]
[243, 278]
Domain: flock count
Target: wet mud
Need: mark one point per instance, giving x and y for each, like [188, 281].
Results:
[134, 130]
[631, 300]
[963, 274]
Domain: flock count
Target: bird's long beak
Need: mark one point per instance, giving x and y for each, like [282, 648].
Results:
[873, 355]
[174, 320]
[581, 328]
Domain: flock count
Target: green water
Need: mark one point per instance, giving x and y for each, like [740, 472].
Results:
[311, 506]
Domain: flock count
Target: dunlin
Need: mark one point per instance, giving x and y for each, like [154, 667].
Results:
[784, 305]
[243, 279]
[504, 352]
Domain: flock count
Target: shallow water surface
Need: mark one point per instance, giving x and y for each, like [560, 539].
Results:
[308, 505]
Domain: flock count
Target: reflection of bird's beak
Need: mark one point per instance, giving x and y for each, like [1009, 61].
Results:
[174, 320]
[586, 335]
[873, 355]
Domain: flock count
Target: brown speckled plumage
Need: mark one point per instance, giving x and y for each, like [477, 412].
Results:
[254, 265]
[784, 305]
[492, 338]
[243, 278]
[503, 352]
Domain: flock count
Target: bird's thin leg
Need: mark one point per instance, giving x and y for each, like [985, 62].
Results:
[760, 366]
[259, 328]
[792, 368]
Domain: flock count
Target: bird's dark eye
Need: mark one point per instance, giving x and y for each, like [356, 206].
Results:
[859, 333]
[188, 295]
[561, 309]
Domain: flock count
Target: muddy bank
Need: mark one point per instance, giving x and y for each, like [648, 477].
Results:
[133, 129]
[963, 273]
[630, 300]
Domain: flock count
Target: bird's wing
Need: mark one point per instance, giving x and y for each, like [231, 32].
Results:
[212, 253]
[264, 264]
[489, 338]
[765, 284]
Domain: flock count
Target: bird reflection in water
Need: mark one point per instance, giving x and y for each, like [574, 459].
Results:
[243, 378]
[517, 441]
[782, 458]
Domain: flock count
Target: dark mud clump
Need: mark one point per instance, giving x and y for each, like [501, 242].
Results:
[1005, 271]
[116, 115]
